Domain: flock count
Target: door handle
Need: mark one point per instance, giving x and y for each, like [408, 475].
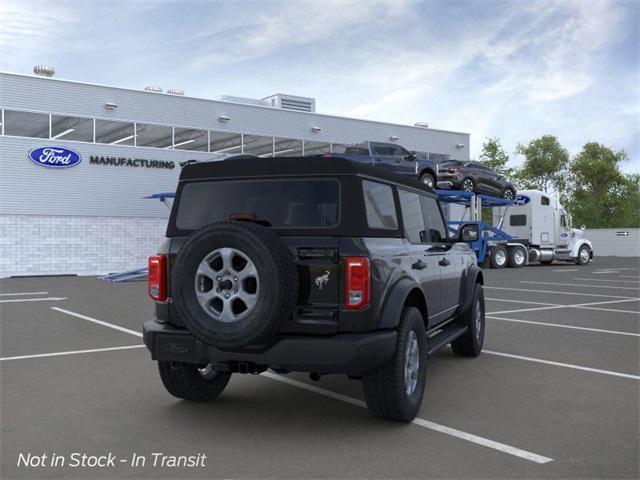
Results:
[444, 262]
[419, 265]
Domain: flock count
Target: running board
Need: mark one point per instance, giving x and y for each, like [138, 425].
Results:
[444, 338]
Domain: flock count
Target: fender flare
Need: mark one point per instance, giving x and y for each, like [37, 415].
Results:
[578, 244]
[473, 275]
[395, 301]
[428, 170]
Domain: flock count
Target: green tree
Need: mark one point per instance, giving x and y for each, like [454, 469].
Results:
[545, 164]
[600, 195]
[494, 156]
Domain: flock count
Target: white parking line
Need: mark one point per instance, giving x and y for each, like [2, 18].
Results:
[23, 293]
[580, 285]
[572, 327]
[556, 292]
[485, 442]
[628, 276]
[587, 306]
[604, 280]
[72, 352]
[518, 301]
[567, 270]
[565, 365]
[99, 322]
[20, 300]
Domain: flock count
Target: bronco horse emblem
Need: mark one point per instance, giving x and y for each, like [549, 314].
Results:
[322, 280]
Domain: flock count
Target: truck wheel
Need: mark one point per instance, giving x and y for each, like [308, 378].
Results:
[428, 180]
[395, 391]
[234, 284]
[508, 194]
[468, 185]
[498, 256]
[470, 344]
[584, 255]
[517, 257]
[187, 381]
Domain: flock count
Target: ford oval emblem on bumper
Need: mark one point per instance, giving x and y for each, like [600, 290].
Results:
[55, 157]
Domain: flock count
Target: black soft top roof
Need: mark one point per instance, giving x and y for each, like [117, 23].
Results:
[252, 167]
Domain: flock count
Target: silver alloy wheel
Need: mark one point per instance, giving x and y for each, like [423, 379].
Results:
[584, 255]
[428, 181]
[467, 185]
[508, 194]
[411, 363]
[501, 257]
[518, 256]
[478, 320]
[227, 285]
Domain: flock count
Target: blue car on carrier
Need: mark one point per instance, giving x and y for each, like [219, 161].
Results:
[395, 158]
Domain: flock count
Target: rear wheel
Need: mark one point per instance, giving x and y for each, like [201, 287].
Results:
[498, 256]
[395, 391]
[517, 257]
[192, 382]
[470, 344]
[428, 179]
[509, 194]
[468, 185]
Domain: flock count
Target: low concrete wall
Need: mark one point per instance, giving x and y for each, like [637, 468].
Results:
[614, 242]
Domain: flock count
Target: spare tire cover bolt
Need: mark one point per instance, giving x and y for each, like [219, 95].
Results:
[226, 295]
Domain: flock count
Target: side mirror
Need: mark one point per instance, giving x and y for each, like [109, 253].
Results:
[411, 157]
[583, 227]
[469, 233]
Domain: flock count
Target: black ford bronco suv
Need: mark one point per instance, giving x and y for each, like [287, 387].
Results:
[318, 265]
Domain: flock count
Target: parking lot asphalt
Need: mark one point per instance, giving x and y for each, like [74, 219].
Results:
[555, 394]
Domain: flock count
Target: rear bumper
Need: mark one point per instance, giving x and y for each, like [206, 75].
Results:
[351, 353]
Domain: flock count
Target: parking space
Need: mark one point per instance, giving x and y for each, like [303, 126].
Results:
[560, 374]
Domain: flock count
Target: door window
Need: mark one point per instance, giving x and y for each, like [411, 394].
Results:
[433, 220]
[380, 206]
[412, 218]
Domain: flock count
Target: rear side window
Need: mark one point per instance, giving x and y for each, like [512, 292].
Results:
[412, 217]
[287, 203]
[518, 220]
[379, 204]
[433, 220]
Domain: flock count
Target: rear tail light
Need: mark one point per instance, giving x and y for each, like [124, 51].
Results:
[358, 282]
[157, 279]
[454, 170]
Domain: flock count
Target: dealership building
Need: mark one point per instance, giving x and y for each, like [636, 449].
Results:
[77, 160]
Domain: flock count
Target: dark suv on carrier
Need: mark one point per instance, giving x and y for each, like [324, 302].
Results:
[318, 265]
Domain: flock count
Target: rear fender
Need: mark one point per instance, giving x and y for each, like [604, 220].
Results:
[472, 276]
[405, 292]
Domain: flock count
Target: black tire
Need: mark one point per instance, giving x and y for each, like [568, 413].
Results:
[185, 380]
[498, 257]
[508, 194]
[470, 344]
[583, 258]
[546, 262]
[428, 179]
[385, 390]
[517, 257]
[276, 293]
[468, 185]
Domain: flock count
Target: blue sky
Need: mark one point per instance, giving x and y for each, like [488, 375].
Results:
[514, 70]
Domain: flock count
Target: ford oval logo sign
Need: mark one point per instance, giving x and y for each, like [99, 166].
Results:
[55, 157]
[521, 200]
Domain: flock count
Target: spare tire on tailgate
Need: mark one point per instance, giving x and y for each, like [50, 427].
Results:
[234, 284]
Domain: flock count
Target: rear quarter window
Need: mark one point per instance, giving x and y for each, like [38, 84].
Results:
[380, 205]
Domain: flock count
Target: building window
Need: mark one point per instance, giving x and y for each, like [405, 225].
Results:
[71, 128]
[226, 143]
[380, 207]
[287, 147]
[438, 157]
[26, 124]
[316, 148]
[190, 139]
[258, 145]
[338, 148]
[157, 136]
[114, 133]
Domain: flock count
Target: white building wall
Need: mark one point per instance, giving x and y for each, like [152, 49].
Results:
[612, 242]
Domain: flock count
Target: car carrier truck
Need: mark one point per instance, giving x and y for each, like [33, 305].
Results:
[540, 223]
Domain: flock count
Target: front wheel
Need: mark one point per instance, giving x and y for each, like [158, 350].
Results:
[191, 382]
[470, 344]
[395, 391]
[428, 180]
[584, 255]
[468, 185]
